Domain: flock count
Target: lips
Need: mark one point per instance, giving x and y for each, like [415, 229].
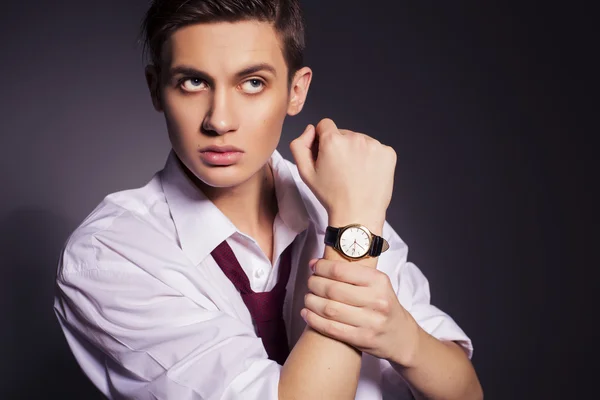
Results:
[221, 155]
[221, 149]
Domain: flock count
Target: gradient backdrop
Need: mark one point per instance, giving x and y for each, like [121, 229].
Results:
[478, 101]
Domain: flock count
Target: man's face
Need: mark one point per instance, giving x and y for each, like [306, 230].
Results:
[226, 84]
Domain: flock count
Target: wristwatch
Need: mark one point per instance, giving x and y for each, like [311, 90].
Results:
[355, 241]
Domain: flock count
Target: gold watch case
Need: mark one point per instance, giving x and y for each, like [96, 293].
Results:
[363, 228]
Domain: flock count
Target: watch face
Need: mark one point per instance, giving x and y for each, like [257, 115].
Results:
[355, 242]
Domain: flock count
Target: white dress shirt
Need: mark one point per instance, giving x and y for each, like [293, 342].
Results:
[149, 314]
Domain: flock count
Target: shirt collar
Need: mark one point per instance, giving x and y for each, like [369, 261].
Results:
[201, 226]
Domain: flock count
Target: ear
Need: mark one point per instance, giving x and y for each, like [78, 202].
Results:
[153, 81]
[299, 90]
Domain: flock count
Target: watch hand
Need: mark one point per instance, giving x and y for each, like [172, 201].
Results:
[358, 245]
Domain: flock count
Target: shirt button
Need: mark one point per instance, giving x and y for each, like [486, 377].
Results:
[259, 273]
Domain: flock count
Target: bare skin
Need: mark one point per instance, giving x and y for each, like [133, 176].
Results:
[226, 84]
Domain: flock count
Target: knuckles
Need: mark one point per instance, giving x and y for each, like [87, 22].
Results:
[336, 272]
[330, 311]
[295, 143]
[331, 291]
[391, 153]
[382, 305]
[380, 324]
[369, 339]
[327, 130]
[326, 126]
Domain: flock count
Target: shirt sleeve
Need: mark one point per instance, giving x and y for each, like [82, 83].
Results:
[137, 337]
[412, 289]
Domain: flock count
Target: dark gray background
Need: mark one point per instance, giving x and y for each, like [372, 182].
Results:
[484, 104]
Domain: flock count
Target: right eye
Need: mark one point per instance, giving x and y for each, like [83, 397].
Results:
[193, 85]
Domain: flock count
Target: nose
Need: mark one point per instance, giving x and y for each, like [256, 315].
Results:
[221, 117]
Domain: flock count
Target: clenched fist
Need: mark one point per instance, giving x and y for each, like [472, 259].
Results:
[350, 173]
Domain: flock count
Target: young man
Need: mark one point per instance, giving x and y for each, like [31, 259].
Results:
[234, 274]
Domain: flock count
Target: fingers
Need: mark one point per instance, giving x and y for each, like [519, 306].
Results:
[344, 271]
[350, 283]
[302, 150]
[341, 292]
[336, 330]
[326, 126]
[335, 311]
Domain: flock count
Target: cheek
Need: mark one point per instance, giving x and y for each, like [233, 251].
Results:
[270, 114]
[184, 113]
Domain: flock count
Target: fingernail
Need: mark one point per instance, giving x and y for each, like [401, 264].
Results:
[312, 263]
[303, 314]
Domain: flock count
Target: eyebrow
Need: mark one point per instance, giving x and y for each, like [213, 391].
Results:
[252, 69]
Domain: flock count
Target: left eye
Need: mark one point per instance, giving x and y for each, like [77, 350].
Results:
[253, 86]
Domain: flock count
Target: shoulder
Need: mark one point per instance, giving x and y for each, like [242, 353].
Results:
[121, 217]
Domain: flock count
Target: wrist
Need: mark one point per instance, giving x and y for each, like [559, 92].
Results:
[407, 355]
[374, 223]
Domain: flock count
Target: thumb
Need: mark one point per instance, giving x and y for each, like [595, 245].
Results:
[302, 150]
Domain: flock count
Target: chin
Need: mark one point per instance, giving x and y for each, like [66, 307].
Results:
[222, 177]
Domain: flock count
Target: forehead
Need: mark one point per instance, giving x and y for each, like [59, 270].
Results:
[224, 46]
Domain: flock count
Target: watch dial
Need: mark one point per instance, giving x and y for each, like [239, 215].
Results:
[355, 242]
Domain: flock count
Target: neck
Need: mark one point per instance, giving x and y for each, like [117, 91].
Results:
[251, 205]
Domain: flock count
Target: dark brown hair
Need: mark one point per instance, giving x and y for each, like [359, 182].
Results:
[166, 16]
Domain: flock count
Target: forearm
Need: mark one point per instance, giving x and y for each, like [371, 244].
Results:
[320, 367]
[439, 370]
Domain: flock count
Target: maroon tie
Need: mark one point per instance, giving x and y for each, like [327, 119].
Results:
[266, 308]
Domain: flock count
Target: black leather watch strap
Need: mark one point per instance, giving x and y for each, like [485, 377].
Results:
[376, 246]
[331, 236]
